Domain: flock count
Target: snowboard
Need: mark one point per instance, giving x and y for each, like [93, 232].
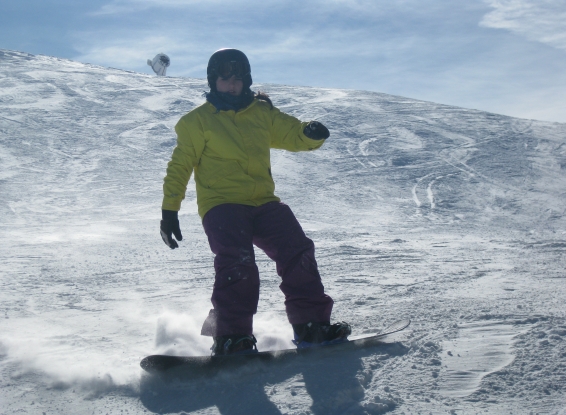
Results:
[200, 365]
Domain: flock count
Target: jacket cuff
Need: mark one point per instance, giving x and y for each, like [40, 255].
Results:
[169, 215]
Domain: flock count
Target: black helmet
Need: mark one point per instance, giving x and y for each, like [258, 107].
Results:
[225, 63]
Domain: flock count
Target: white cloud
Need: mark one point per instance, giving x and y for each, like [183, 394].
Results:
[133, 6]
[316, 9]
[539, 20]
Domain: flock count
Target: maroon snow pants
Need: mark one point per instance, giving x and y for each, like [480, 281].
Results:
[232, 230]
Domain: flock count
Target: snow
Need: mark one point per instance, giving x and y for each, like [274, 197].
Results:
[452, 217]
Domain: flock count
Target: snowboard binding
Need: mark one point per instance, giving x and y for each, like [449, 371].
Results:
[320, 334]
[234, 344]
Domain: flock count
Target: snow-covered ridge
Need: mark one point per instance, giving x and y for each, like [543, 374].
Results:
[452, 217]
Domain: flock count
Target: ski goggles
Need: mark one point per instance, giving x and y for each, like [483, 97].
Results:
[227, 69]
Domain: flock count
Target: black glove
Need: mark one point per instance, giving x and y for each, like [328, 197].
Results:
[316, 131]
[170, 227]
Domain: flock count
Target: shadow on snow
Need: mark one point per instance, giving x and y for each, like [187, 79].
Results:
[330, 379]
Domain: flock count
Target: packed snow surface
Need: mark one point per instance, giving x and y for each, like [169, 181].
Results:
[454, 218]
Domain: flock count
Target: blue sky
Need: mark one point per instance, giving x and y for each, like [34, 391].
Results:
[503, 56]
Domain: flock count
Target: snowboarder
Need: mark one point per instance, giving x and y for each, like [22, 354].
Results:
[226, 142]
[159, 64]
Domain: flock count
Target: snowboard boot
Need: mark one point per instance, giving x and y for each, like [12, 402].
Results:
[234, 344]
[320, 334]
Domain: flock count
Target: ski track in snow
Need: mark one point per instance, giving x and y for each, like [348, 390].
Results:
[454, 218]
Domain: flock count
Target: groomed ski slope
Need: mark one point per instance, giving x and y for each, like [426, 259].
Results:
[452, 217]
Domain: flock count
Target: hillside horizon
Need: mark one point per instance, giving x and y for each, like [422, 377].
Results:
[255, 85]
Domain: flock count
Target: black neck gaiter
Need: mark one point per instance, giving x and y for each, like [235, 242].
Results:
[223, 101]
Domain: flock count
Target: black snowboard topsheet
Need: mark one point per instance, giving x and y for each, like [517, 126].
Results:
[213, 364]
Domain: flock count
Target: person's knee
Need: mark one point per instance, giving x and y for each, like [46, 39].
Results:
[246, 275]
[299, 256]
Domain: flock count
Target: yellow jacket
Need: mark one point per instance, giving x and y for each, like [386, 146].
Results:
[230, 155]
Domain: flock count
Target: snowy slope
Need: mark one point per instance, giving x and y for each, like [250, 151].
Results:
[455, 218]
